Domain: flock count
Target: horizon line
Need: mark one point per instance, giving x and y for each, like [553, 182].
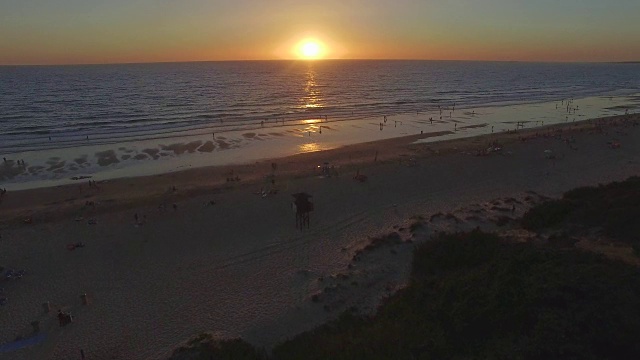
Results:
[319, 60]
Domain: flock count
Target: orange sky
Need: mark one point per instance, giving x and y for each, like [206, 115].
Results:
[93, 31]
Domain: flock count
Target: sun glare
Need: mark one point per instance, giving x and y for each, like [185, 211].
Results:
[310, 49]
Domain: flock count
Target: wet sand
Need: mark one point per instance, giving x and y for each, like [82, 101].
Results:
[238, 266]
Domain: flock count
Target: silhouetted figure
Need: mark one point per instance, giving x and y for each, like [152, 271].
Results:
[302, 207]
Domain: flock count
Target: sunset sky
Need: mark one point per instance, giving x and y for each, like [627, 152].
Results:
[115, 31]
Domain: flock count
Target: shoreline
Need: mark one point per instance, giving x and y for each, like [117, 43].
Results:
[111, 161]
[120, 193]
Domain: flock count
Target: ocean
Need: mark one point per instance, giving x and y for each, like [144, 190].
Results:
[51, 108]
[111, 103]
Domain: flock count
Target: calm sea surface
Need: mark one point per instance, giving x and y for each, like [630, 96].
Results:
[113, 103]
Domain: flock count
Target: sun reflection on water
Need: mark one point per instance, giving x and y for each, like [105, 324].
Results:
[313, 97]
[310, 147]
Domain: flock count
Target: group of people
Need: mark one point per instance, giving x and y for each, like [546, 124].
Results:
[19, 162]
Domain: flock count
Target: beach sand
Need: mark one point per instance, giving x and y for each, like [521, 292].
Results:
[229, 260]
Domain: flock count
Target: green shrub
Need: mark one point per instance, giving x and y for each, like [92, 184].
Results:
[547, 215]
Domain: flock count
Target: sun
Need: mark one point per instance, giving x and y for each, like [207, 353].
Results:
[310, 49]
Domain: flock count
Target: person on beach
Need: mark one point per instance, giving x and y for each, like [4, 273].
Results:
[385, 118]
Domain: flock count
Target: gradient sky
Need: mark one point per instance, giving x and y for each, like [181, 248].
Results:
[114, 31]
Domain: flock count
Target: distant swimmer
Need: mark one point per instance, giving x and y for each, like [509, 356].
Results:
[262, 123]
[213, 135]
[49, 138]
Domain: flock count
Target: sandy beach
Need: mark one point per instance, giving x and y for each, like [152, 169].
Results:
[215, 249]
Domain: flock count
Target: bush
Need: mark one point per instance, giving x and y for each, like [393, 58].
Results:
[549, 214]
[614, 208]
[475, 296]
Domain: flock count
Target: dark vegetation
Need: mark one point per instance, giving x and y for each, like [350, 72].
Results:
[475, 295]
[612, 209]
